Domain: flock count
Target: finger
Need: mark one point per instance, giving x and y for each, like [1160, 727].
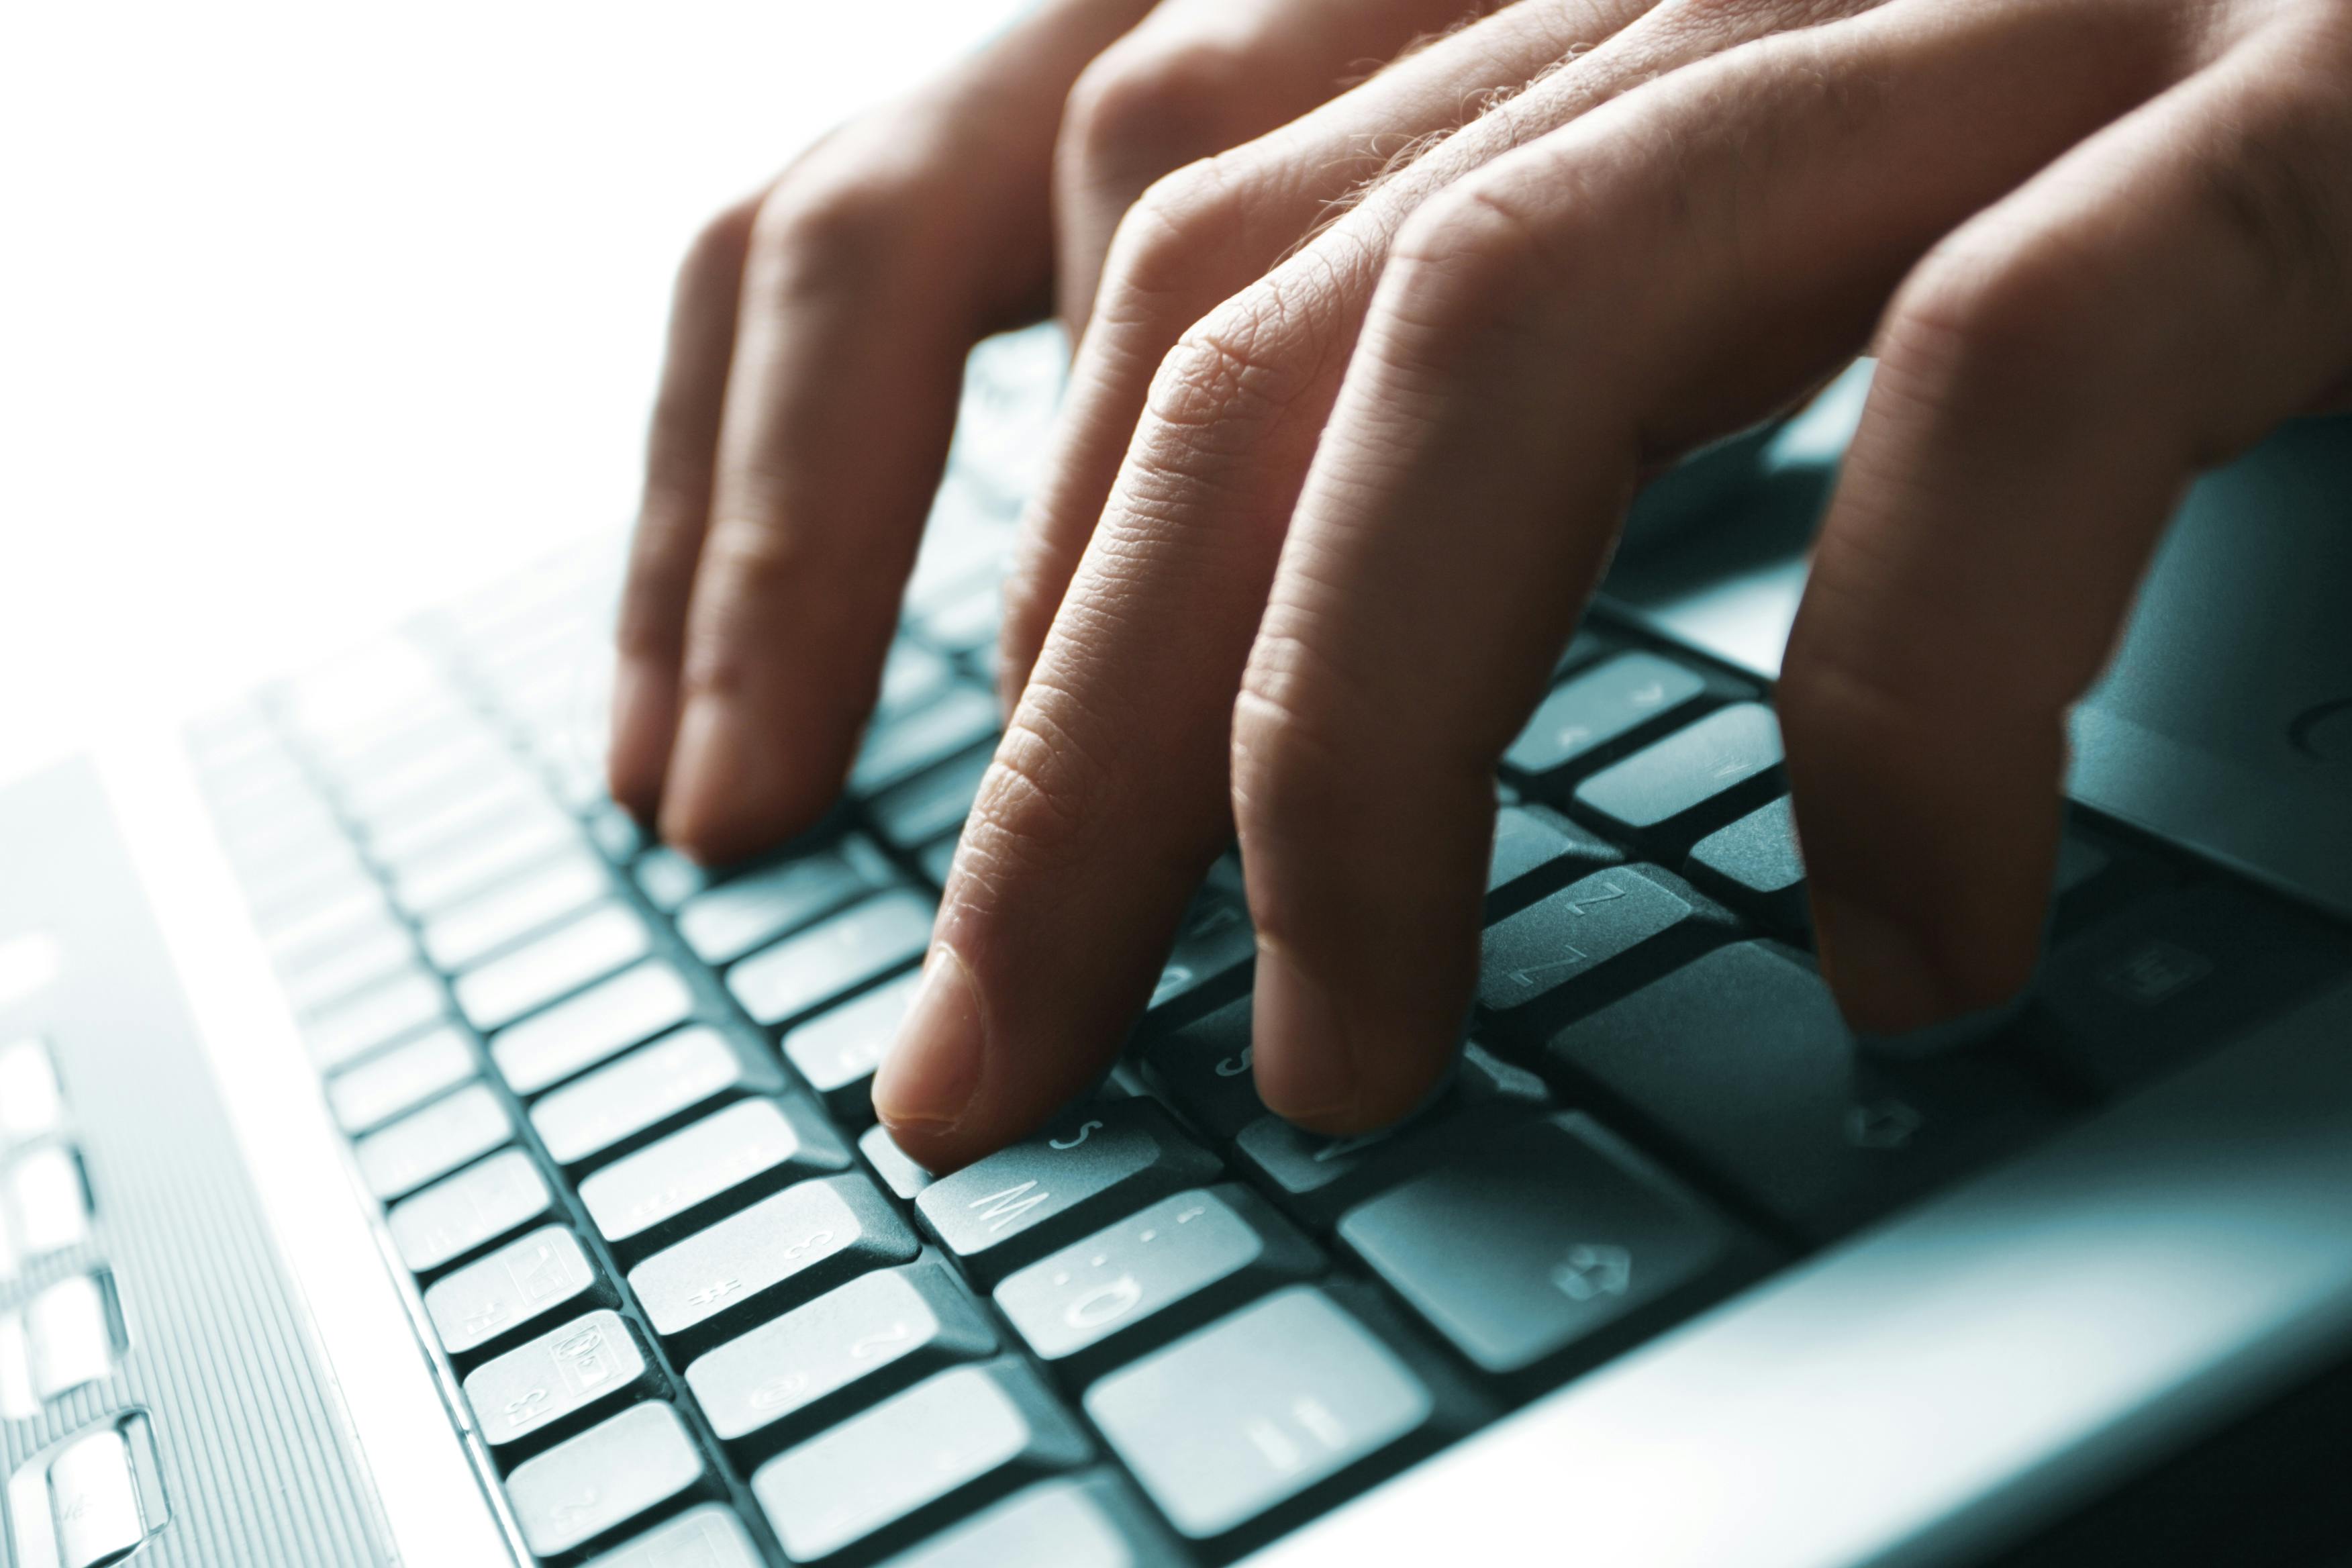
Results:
[873, 266]
[1108, 797]
[1655, 273]
[1194, 79]
[1207, 233]
[679, 454]
[2050, 378]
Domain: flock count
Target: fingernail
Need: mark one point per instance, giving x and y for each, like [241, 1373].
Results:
[643, 711]
[1884, 981]
[1306, 1063]
[928, 1076]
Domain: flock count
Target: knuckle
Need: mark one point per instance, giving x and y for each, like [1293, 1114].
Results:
[1247, 361]
[1181, 219]
[848, 210]
[1042, 791]
[1466, 264]
[2276, 187]
[1999, 318]
[1149, 104]
[1289, 770]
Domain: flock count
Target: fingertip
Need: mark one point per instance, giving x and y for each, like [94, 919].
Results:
[645, 720]
[730, 790]
[1891, 981]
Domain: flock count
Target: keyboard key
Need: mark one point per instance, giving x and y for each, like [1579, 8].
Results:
[559, 1383]
[474, 929]
[881, 1332]
[1088, 1166]
[601, 1480]
[835, 1053]
[373, 1019]
[668, 878]
[70, 1334]
[367, 959]
[1210, 962]
[1224, 1426]
[572, 955]
[709, 1536]
[1205, 1069]
[1697, 774]
[780, 1252]
[738, 916]
[1604, 705]
[1316, 1177]
[652, 1090]
[2170, 978]
[1165, 1271]
[598, 1024]
[1754, 865]
[397, 1081]
[32, 1103]
[890, 1163]
[683, 1182]
[933, 803]
[979, 1430]
[1079, 1521]
[1528, 1247]
[426, 885]
[466, 1212]
[520, 1284]
[862, 943]
[1535, 852]
[1595, 938]
[911, 675]
[963, 718]
[1741, 1063]
[45, 1205]
[427, 1144]
[396, 838]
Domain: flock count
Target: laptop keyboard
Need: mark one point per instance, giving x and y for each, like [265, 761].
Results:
[697, 1308]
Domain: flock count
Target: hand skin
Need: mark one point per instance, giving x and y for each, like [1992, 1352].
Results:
[1365, 376]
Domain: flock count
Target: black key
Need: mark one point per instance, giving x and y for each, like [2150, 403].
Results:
[566, 1379]
[600, 1482]
[981, 1431]
[1226, 1425]
[426, 1145]
[709, 1536]
[1535, 852]
[519, 1284]
[738, 916]
[1600, 707]
[888, 1161]
[1754, 865]
[599, 1023]
[960, 719]
[835, 1053]
[860, 944]
[933, 803]
[574, 954]
[1742, 1063]
[1205, 1069]
[1073, 1522]
[1164, 1271]
[777, 1253]
[1317, 1177]
[883, 1331]
[654, 1089]
[679, 1183]
[462, 1214]
[1210, 962]
[392, 1083]
[1693, 778]
[1550, 1242]
[1592, 939]
[2173, 976]
[1087, 1167]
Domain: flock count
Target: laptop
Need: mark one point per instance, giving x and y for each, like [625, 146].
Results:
[404, 1160]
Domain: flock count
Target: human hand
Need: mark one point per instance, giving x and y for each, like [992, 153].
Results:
[1330, 494]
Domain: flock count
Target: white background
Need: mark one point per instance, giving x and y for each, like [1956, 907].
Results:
[311, 315]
